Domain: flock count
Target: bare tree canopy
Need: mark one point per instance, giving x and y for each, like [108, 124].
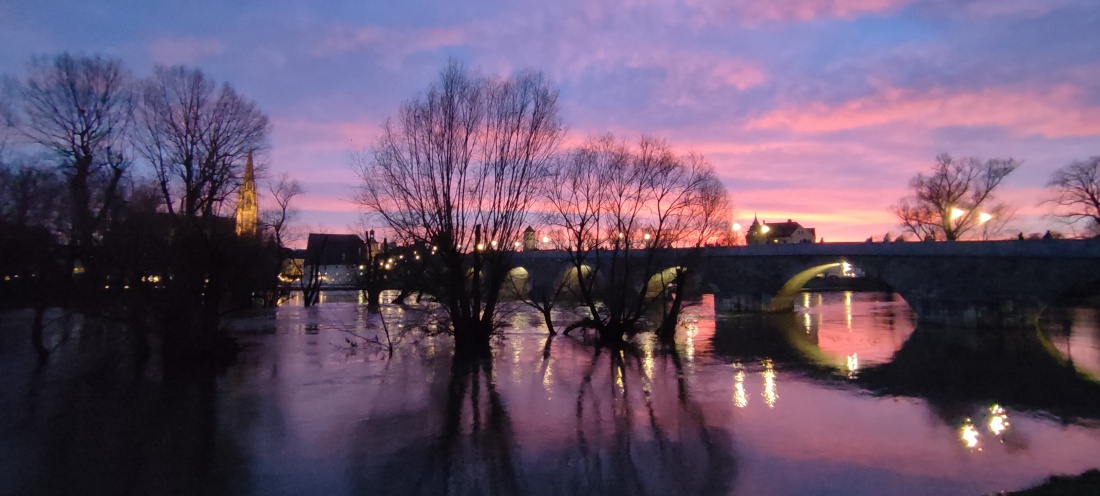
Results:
[7, 116]
[1077, 193]
[30, 196]
[459, 168]
[283, 191]
[197, 135]
[609, 199]
[81, 110]
[470, 151]
[954, 198]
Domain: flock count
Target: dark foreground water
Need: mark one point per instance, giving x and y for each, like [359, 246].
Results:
[844, 397]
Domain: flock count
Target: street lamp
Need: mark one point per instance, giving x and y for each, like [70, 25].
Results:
[984, 217]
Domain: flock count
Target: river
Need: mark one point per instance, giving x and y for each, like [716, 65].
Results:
[846, 396]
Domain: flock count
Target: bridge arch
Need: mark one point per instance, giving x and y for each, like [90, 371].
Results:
[517, 284]
[658, 284]
[784, 300]
[570, 279]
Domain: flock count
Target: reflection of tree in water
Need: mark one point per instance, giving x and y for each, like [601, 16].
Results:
[92, 421]
[628, 437]
[461, 443]
[636, 433]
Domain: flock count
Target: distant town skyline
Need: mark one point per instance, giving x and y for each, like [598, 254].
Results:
[816, 111]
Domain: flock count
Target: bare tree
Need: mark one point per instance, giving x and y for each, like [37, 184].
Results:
[1077, 193]
[81, 110]
[458, 169]
[197, 135]
[7, 116]
[30, 196]
[955, 198]
[623, 210]
[278, 220]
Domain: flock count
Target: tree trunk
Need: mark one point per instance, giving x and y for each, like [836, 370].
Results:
[38, 333]
[472, 338]
[549, 321]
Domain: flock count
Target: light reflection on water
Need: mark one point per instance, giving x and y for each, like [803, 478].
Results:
[801, 404]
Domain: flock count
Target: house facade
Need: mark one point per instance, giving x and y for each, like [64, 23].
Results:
[779, 233]
[335, 257]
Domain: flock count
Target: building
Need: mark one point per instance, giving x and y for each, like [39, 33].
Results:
[779, 233]
[248, 209]
[335, 256]
[530, 243]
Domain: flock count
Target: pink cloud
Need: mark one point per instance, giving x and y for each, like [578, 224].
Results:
[190, 51]
[313, 136]
[1054, 113]
[752, 11]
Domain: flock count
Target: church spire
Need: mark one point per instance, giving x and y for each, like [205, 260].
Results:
[247, 206]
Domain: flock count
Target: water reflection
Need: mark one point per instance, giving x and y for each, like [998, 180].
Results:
[791, 404]
[630, 431]
[956, 367]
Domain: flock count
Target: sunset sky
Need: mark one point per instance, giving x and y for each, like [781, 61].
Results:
[815, 110]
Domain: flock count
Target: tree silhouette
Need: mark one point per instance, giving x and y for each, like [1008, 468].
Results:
[458, 169]
[954, 198]
[1077, 192]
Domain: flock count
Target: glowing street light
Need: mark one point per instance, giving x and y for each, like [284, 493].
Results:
[984, 217]
[956, 213]
[493, 243]
[736, 226]
[546, 239]
[764, 229]
[646, 236]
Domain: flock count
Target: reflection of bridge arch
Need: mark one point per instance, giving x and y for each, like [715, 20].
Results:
[1018, 368]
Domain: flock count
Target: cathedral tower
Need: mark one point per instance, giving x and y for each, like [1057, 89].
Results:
[248, 210]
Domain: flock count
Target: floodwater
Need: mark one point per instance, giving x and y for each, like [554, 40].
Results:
[846, 396]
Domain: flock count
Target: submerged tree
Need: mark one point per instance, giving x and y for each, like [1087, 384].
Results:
[198, 136]
[954, 198]
[458, 169]
[633, 220]
[1077, 193]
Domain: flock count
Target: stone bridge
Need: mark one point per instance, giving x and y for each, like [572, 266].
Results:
[968, 284]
